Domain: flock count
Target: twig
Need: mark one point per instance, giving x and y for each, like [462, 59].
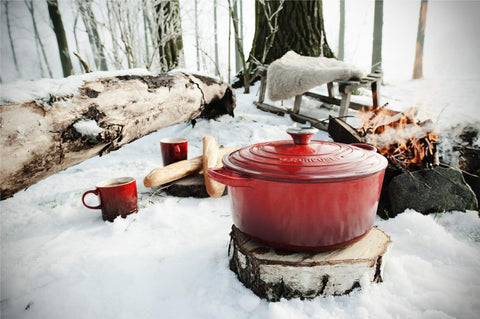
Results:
[83, 62]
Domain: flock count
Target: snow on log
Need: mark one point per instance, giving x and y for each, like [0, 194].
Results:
[42, 137]
[274, 274]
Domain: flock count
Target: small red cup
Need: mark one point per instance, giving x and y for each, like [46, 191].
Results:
[118, 197]
[173, 149]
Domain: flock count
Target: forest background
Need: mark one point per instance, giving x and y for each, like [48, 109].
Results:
[450, 36]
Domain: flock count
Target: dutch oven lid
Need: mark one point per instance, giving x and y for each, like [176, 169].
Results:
[304, 160]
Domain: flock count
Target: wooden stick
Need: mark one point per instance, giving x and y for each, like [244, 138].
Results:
[175, 171]
[83, 62]
[210, 159]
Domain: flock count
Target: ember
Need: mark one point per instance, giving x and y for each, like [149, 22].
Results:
[408, 144]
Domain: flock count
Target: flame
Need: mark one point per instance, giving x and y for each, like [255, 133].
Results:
[387, 130]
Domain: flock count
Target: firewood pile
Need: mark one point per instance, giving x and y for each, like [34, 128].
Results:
[408, 144]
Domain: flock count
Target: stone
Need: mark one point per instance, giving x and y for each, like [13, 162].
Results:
[430, 190]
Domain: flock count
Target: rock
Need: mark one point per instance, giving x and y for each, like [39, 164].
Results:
[431, 190]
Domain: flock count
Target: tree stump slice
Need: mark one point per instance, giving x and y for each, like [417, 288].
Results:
[274, 274]
[190, 186]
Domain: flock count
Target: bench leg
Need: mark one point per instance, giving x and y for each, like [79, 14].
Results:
[296, 104]
[344, 104]
[263, 88]
[330, 89]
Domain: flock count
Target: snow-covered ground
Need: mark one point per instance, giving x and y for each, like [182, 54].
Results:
[60, 260]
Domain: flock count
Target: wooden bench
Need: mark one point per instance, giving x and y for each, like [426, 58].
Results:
[372, 81]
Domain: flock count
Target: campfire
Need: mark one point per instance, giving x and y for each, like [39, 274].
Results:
[415, 178]
[408, 144]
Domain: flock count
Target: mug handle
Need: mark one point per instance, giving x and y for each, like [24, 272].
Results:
[88, 206]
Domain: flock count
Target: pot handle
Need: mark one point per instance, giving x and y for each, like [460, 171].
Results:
[365, 146]
[229, 178]
[302, 135]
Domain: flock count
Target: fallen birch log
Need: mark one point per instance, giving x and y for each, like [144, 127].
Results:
[40, 138]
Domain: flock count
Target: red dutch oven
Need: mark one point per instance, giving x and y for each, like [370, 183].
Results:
[303, 195]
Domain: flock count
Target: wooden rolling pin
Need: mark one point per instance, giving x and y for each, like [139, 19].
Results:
[175, 171]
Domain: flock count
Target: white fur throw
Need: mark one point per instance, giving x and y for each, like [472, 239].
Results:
[294, 74]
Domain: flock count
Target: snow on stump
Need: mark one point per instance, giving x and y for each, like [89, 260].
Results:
[274, 274]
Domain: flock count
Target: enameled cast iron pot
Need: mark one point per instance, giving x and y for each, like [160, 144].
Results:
[303, 195]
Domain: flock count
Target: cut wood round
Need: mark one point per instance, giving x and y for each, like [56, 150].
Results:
[274, 274]
[190, 186]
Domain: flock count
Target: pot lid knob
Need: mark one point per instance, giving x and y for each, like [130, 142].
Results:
[302, 135]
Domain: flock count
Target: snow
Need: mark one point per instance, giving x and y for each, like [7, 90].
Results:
[23, 91]
[170, 260]
[88, 128]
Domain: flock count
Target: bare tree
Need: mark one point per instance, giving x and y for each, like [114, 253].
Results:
[114, 55]
[377, 36]
[38, 40]
[215, 28]
[341, 32]
[267, 12]
[237, 23]
[122, 19]
[422, 20]
[88, 17]
[197, 45]
[12, 46]
[169, 40]
[146, 30]
[62, 43]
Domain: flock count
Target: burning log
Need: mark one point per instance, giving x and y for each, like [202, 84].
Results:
[408, 144]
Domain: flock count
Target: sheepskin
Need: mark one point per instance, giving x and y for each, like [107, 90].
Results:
[294, 74]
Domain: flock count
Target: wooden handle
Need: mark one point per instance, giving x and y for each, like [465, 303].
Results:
[210, 160]
[172, 172]
[175, 171]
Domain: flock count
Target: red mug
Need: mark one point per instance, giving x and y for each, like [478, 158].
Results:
[118, 197]
[173, 149]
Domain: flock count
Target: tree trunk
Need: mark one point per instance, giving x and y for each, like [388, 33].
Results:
[239, 34]
[377, 36]
[62, 43]
[10, 37]
[41, 138]
[170, 40]
[299, 29]
[341, 32]
[197, 44]
[281, 26]
[93, 35]
[31, 9]
[422, 20]
[215, 34]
